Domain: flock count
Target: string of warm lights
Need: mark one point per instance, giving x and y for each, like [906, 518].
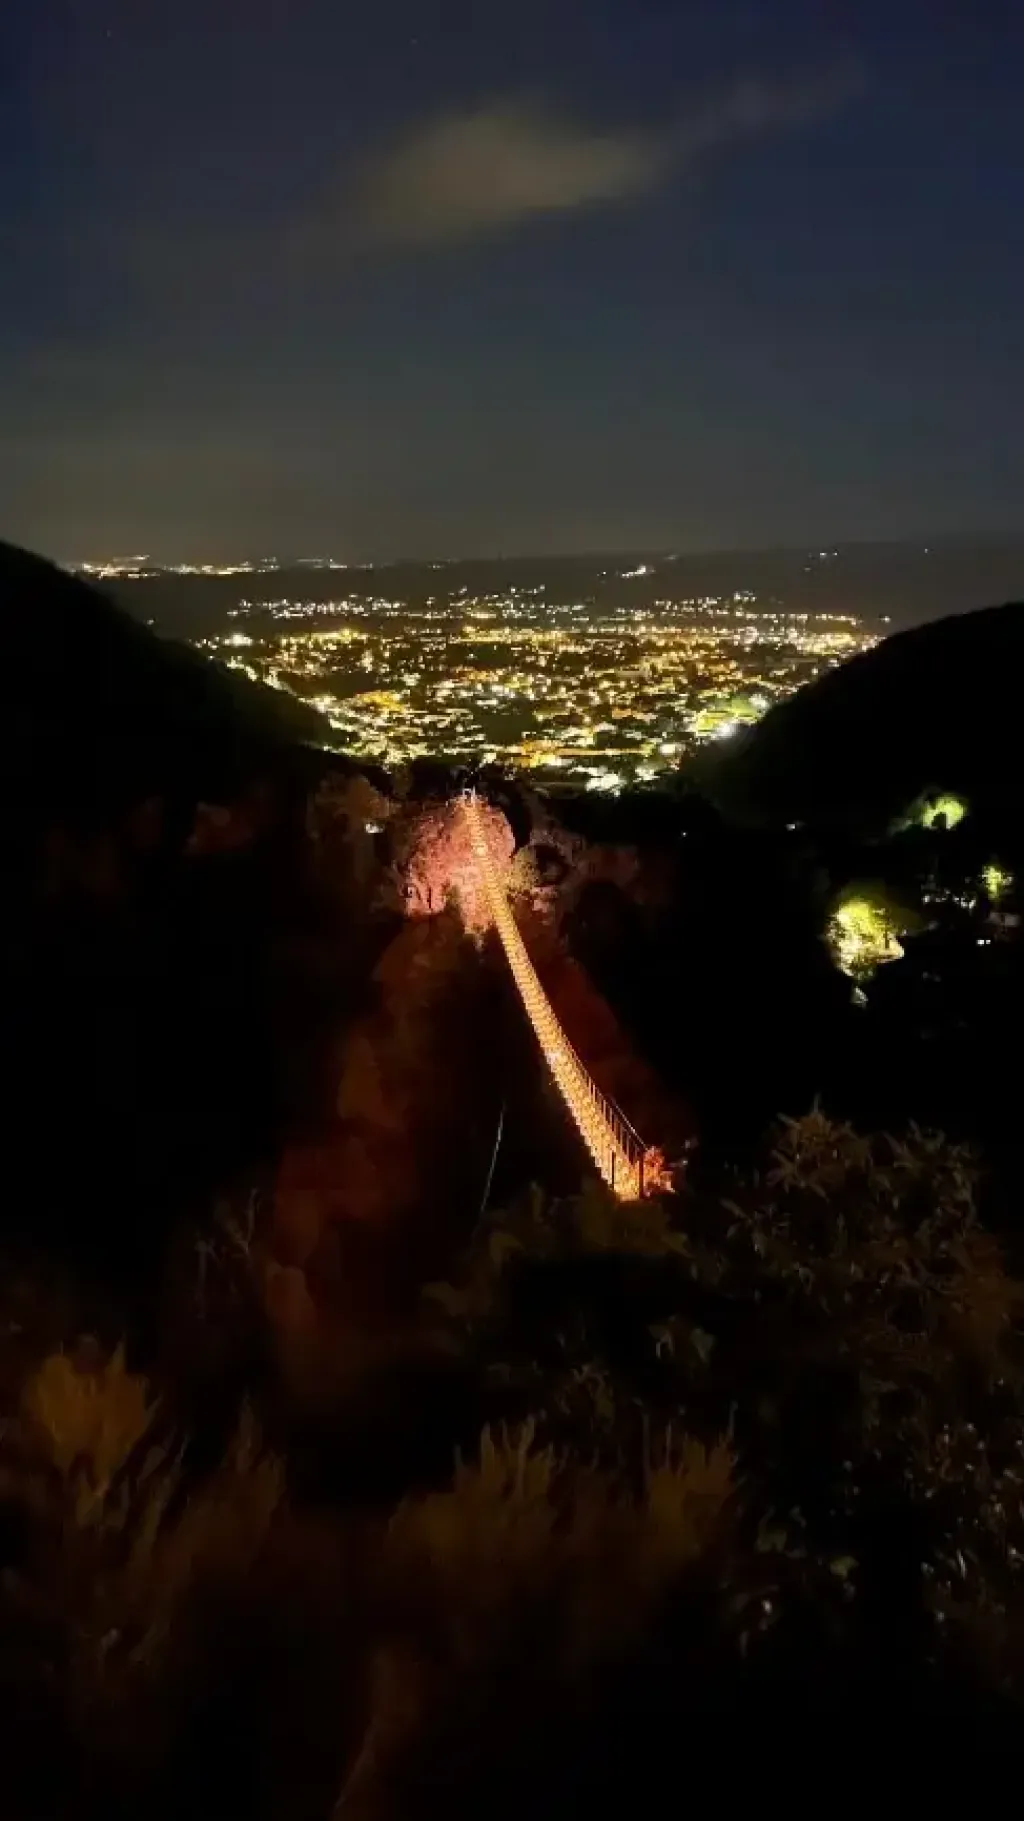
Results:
[616, 1149]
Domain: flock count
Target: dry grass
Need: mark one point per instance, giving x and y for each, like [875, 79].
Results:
[568, 1569]
[127, 1554]
[90, 1415]
[524, 1527]
[511, 1592]
[499, 1508]
[687, 1491]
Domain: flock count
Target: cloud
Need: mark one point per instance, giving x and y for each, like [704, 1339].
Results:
[753, 108]
[461, 175]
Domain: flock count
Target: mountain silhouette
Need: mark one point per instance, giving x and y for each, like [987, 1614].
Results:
[154, 839]
[93, 703]
[933, 709]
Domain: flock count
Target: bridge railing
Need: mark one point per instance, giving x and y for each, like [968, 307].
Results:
[616, 1147]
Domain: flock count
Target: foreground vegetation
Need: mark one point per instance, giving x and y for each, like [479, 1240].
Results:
[754, 1455]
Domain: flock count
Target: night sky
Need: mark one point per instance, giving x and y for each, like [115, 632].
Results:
[448, 277]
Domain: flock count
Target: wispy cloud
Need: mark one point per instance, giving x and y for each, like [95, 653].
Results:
[755, 107]
[461, 175]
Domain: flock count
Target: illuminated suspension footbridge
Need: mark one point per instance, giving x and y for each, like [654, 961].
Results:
[627, 1165]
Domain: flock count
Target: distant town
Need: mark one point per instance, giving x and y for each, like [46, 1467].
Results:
[600, 678]
[603, 702]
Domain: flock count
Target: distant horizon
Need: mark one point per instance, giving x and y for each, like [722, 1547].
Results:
[922, 542]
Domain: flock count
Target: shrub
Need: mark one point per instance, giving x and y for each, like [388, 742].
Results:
[592, 1224]
[841, 1313]
[764, 1439]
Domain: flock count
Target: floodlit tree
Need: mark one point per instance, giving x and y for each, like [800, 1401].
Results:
[863, 931]
[934, 809]
[996, 880]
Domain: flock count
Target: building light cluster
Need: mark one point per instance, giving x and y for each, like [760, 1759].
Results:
[135, 568]
[597, 695]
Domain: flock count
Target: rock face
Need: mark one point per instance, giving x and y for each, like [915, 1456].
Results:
[433, 862]
[932, 709]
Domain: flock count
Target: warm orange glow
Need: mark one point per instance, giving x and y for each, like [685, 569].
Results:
[620, 1155]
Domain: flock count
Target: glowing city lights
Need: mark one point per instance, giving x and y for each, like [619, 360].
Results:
[595, 695]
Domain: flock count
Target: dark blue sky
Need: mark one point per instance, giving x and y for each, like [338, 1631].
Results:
[458, 278]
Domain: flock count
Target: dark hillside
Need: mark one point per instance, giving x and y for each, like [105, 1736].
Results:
[92, 703]
[176, 952]
[934, 708]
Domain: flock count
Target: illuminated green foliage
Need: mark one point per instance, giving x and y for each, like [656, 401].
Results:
[936, 810]
[943, 811]
[863, 931]
[996, 880]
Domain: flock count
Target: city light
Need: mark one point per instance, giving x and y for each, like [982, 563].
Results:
[597, 695]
